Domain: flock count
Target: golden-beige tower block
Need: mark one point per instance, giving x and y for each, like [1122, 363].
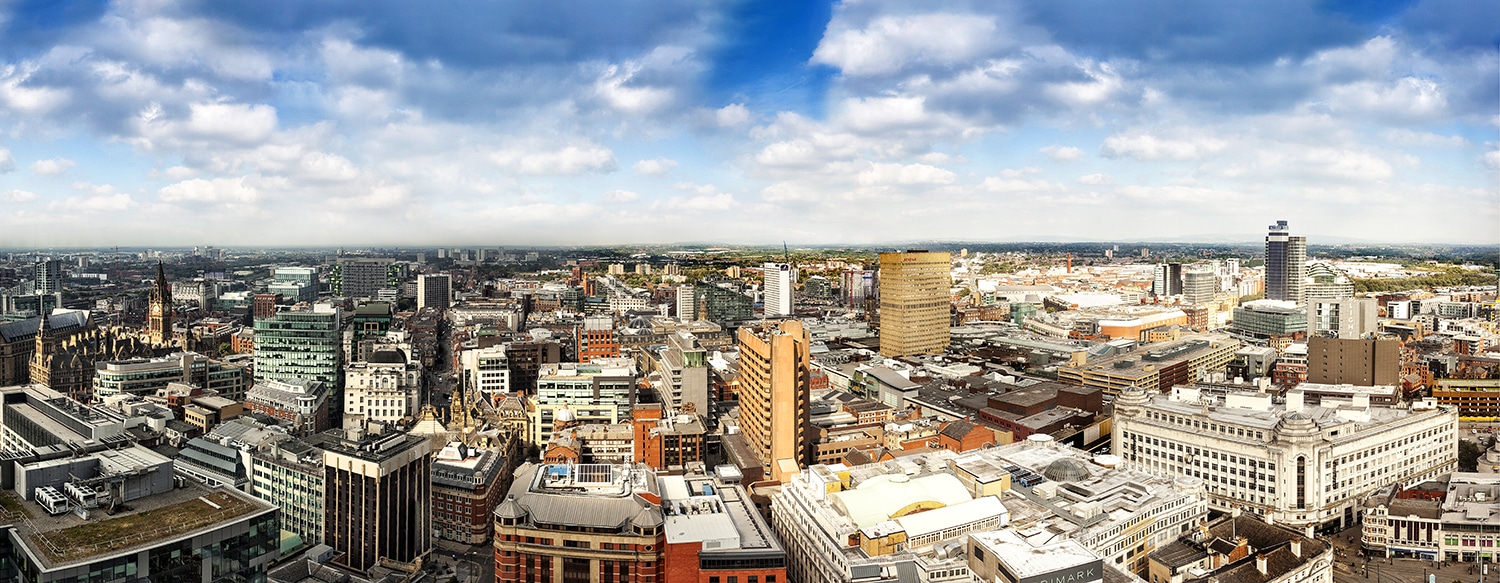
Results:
[775, 384]
[914, 317]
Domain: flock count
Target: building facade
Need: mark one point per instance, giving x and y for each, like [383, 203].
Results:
[467, 485]
[775, 378]
[377, 501]
[300, 343]
[434, 291]
[289, 474]
[588, 522]
[386, 387]
[1305, 466]
[1364, 362]
[779, 281]
[360, 277]
[1286, 264]
[600, 392]
[914, 302]
[144, 376]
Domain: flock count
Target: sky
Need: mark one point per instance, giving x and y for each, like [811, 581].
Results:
[521, 122]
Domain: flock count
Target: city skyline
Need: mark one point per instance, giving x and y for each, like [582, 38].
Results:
[150, 123]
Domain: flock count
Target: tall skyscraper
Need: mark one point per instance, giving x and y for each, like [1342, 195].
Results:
[46, 276]
[778, 290]
[775, 392]
[434, 291]
[914, 314]
[1286, 264]
[159, 320]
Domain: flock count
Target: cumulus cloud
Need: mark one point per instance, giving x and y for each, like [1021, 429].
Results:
[621, 196]
[905, 174]
[654, 167]
[890, 43]
[1062, 153]
[1143, 146]
[233, 122]
[7, 161]
[1096, 179]
[15, 196]
[568, 160]
[51, 167]
[732, 115]
[218, 190]
[1018, 181]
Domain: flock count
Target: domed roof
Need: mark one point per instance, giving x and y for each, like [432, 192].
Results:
[387, 356]
[564, 414]
[640, 323]
[649, 517]
[1294, 416]
[510, 509]
[1067, 470]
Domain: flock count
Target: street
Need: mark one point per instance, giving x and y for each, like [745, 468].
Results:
[1350, 567]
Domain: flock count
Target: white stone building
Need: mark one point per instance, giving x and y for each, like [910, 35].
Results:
[385, 387]
[1308, 466]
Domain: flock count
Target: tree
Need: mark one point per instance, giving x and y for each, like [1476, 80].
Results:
[1468, 455]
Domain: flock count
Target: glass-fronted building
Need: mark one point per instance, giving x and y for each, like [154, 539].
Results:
[299, 343]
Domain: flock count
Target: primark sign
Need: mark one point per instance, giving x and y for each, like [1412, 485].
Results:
[1085, 573]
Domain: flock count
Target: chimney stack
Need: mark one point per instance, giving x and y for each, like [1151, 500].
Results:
[1297, 546]
[1260, 563]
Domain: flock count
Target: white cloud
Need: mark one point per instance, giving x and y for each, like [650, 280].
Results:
[1103, 84]
[246, 124]
[1096, 179]
[99, 198]
[7, 161]
[1142, 146]
[891, 43]
[654, 167]
[51, 167]
[621, 196]
[218, 190]
[1491, 159]
[905, 174]
[13, 195]
[704, 202]
[568, 160]
[1062, 153]
[28, 99]
[1407, 137]
[732, 115]
[1014, 180]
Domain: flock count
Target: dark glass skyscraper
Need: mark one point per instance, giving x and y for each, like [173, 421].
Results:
[1286, 264]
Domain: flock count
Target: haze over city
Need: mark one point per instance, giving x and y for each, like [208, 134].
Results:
[182, 123]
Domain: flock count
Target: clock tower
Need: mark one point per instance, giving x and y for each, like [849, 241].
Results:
[159, 320]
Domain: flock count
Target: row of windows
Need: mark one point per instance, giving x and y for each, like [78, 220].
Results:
[1206, 425]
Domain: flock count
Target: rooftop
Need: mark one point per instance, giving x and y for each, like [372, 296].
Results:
[67, 539]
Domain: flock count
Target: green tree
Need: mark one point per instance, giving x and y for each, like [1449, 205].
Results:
[1468, 455]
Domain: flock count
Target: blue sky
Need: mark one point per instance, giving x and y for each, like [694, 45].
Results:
[157, 122]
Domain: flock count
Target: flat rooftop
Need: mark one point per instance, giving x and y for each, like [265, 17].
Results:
[66, 538]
